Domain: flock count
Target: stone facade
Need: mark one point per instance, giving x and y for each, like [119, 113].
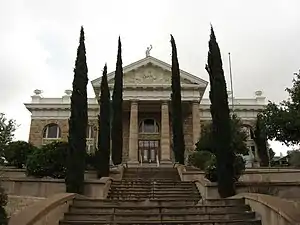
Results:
[146, 97]
[38, 126]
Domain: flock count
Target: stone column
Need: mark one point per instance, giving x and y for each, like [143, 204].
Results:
[196, 122]
[133, 133]
[165, 133]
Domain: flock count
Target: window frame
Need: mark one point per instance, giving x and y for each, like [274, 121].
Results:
[142, 127]
[46, 131]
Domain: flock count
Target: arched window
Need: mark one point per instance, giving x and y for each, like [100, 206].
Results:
[149, 126]
[52, 131]
[90, 132]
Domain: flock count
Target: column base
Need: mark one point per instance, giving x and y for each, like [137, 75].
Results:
[166, 163]
[133, 163]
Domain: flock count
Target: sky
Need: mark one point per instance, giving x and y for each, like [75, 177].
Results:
[39, 39]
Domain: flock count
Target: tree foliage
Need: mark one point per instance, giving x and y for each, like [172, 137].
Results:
[221, 127]
[48, 161]
[283, 120]
[238, 140]
[7, 129]
[204, 156]
[177, 122]
[103, 151]
[294, 158]
[78, 123]
[260, 138]
[211, 172]
[117, 103]
[16, 153]
[3, 203]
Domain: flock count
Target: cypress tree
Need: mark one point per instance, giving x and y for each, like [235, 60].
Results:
[78, 123]
[221, 130]
[177, 125]
[117, 102]
[103, 151]
[260, 139]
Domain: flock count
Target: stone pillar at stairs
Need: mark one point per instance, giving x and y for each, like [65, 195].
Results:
[133, 133]
[165, 134]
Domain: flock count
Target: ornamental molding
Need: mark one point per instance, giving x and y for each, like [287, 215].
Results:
[148, 71]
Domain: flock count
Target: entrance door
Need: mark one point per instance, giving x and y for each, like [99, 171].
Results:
[148, 150]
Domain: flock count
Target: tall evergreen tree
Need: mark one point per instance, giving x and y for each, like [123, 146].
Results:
[78, 123]
[221, 129]
[260, 138]
[103, 151]
[177, 125]
[117, 102]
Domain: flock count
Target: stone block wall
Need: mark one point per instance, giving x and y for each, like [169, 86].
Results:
[37, 127]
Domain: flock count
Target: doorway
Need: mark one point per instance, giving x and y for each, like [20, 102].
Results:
[148, 150]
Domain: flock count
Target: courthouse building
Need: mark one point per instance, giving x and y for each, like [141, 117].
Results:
[147, 131]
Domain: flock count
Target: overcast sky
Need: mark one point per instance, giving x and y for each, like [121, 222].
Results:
[39, 39]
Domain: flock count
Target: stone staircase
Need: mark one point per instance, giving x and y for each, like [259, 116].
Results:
[157, 196]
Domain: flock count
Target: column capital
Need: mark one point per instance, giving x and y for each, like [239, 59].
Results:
[134, 101]
[165, 102]
[196, 102]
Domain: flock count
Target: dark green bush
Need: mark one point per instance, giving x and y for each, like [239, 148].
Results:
[3, 202]
[211, 171]
[16, 153]
[200, 159]
[48, 161]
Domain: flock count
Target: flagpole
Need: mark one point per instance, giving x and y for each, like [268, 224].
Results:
[231, 83]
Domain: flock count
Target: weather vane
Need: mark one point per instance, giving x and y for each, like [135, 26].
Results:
[148, 51]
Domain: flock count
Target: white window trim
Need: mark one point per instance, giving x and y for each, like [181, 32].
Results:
[155, 125]
[57, 133]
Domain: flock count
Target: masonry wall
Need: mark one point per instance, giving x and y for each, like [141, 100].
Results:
[38, 125]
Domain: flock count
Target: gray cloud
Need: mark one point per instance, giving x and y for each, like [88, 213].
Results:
[39, 41]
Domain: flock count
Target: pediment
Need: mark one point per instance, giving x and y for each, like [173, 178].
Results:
[152, 71]
[149, 74]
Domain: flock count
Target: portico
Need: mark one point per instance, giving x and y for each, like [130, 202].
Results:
[146, 97]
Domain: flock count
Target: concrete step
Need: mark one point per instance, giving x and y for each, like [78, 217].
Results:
[143, 181]
[158, 190]
[134, 202]
[155, 198]
[154, 195]
[156, 187]
[132, 216]
[144, 222]
[159, 202]
[157, 209]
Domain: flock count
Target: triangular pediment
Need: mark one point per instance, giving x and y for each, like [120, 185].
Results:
[149, 74]
[152, 71]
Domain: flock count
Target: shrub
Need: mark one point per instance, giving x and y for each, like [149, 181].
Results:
[200, 159]
[295, 158]
[48, 161]
[3, 202]
[211, 169]
[16, 153]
